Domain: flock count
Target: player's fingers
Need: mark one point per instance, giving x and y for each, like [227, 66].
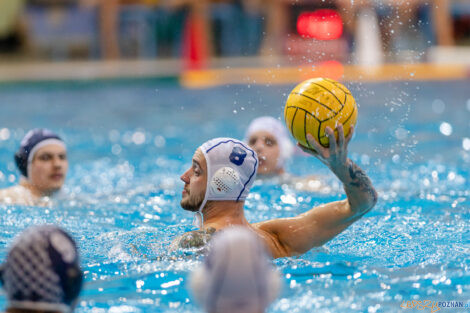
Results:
[306, 149]
[314, 144]
[331, 137]
[340, 136]
[350, 135]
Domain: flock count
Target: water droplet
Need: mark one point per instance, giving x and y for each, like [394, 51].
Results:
[113, 135]
[138, 138]
[401, 133]
[116, 149]
[445, 129]
[466, 144]
[4, 134]
[438, 106]
[159, 141]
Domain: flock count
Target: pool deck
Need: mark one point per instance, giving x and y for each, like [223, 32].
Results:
[227, 71]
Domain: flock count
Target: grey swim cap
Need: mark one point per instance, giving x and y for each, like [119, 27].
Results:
[236, 276]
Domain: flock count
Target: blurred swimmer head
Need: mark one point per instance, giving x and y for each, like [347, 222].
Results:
[42, 271]
[222, 169]
[42, 160]
[269, 138]
[236, 276]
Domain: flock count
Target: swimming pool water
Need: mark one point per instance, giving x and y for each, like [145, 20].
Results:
[129, 141]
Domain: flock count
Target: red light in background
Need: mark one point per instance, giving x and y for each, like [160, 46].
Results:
[324, 24]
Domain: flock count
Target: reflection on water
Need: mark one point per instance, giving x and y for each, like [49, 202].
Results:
[123, 193]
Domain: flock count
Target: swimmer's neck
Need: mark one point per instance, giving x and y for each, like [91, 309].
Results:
[35, 191]
[220, 214]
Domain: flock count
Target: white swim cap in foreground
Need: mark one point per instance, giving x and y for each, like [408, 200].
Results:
[231, 169]
[237, 276]
[278, 130]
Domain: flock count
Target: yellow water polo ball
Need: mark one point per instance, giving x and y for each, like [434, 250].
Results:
[315, 104]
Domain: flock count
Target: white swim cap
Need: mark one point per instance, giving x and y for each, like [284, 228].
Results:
[236, 276]
[278, 130]
[231, 169]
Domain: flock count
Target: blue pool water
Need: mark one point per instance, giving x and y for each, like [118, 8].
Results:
[129, 141]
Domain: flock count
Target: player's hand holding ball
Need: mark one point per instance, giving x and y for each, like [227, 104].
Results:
[321, 113]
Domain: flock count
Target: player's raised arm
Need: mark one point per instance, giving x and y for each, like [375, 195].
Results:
[358, 187]
[293, 236]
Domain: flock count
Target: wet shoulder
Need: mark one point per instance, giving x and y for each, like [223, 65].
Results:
[195, 238]
[270, 238]
[16, 195]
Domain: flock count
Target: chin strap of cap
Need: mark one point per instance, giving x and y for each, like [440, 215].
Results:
[198, 220]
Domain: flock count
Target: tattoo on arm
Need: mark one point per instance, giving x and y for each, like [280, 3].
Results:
[196, 238]
[360, 180]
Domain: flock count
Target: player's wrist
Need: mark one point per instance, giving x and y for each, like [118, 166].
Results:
[342, 170]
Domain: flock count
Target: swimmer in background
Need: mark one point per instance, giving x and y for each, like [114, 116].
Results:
[42, 272]
[221, 175]
[236, 276]
[42, 162]
[271, 142]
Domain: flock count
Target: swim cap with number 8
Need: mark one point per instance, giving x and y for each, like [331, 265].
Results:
[315, 104]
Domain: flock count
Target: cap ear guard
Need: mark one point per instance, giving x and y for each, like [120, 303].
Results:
[224, 181]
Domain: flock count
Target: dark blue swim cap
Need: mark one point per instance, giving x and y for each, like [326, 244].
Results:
[42, 270]
[28, 145]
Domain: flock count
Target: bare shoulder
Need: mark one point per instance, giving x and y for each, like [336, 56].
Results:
[16, 195]
[268, 233]
[193, 239]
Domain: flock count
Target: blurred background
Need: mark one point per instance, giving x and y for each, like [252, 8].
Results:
[201, 34]
[112, 78]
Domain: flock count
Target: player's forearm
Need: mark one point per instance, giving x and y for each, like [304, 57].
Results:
[361, 193]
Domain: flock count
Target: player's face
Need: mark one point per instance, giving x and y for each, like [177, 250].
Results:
[48, 168]
[195, 183]
[267, 148]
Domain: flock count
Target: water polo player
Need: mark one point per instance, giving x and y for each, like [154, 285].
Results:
[42, 162]
[271, 142]
[236, 276]
[269, 138]
[42, 272]
[219, 180]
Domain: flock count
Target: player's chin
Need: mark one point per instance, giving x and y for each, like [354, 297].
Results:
[54, 186]
[188, 206]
